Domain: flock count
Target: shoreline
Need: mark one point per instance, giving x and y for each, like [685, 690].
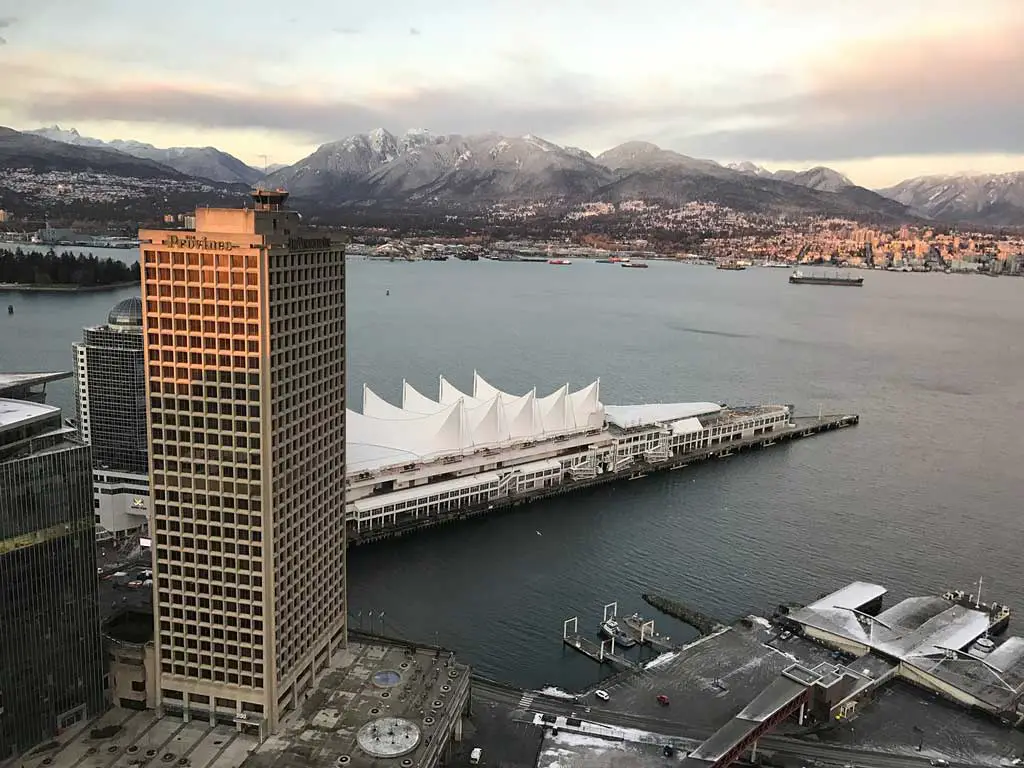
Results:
[64, 287]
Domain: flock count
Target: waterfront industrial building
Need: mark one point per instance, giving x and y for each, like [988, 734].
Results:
[948, 644]
[51, 655]
[110, 395]
[244, 338]
[428, 458]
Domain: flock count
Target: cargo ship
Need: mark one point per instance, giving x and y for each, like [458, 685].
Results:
[799, 278]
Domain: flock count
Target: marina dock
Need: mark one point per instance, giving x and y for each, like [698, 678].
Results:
[603, 652]
[642, 630]
[802, 427]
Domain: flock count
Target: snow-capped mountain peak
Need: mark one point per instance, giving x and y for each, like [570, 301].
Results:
[202, 162]
[750, 168]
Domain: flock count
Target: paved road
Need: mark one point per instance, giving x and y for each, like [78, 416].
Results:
[529, 702]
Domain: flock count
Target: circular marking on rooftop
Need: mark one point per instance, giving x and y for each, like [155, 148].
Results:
[387, 678]
[388, 737]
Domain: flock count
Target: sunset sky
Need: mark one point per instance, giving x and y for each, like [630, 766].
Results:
[878, 89]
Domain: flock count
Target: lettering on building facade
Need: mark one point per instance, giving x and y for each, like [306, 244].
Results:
[199, 243]
[308, 243]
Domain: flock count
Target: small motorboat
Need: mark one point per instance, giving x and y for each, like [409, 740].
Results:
[611, 629]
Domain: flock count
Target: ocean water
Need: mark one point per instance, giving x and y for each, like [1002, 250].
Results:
[922, 496]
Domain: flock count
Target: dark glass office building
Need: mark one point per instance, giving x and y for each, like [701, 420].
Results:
[51, 654]
[111, 390]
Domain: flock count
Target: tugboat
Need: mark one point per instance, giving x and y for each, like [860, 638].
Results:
[560, 262]
[611, 629]
[10, 309]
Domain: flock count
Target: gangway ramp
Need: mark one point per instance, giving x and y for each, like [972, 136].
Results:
[776, 703]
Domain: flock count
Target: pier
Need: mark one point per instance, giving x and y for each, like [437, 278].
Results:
[602, 653]
[802, 427]
[639, 629]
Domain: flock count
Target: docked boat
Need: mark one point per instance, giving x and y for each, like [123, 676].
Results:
[799, 278]
[560, 262]
[611, 629]
[776, 264]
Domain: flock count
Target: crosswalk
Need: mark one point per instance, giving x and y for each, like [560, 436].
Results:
[527, 700]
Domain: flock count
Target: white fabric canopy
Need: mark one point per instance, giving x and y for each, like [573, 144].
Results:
[457, 423]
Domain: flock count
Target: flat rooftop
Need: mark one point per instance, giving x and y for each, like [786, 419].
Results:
[10, 382]
[408, 692]
[14, 413]
[327, 725]
[568, 748]
[711, 680]
[122, 737]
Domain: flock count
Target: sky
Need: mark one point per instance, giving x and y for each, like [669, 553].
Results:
[880, 90]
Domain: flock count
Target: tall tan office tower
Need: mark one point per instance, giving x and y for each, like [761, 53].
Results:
[244, 322]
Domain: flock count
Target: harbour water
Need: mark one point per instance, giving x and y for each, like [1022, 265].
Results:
[922, 496]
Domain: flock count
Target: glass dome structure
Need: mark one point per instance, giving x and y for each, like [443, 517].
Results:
[126, 315]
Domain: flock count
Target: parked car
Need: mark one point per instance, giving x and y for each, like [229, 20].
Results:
[602, 695]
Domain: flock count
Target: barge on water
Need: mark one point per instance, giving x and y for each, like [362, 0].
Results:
[799, 278]
[429, 462]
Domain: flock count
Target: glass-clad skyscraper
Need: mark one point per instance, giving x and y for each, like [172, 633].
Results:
[110, 392]
[51, 654]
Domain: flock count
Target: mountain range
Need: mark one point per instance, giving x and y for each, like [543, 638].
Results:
[38, 154]
[202, 162]
[420, 168]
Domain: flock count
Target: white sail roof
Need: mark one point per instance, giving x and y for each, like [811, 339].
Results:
[456, 423]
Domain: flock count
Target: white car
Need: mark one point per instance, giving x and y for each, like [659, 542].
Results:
[602, 695]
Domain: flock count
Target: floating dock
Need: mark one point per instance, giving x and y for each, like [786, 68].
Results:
[603, 652]
[802, 426]
[642, 630]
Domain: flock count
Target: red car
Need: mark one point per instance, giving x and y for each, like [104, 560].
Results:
[663, 700]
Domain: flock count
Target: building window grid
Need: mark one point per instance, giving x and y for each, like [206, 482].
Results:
[338, 372]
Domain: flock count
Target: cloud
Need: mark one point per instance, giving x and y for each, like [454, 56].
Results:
[321, 119]
[5, 22]
[414, 32]
[530, 98]
[955, 93]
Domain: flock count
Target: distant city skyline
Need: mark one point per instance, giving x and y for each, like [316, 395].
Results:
[878, 90]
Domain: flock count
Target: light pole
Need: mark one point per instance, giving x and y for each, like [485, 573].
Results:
[381, 617]
[370, 613]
